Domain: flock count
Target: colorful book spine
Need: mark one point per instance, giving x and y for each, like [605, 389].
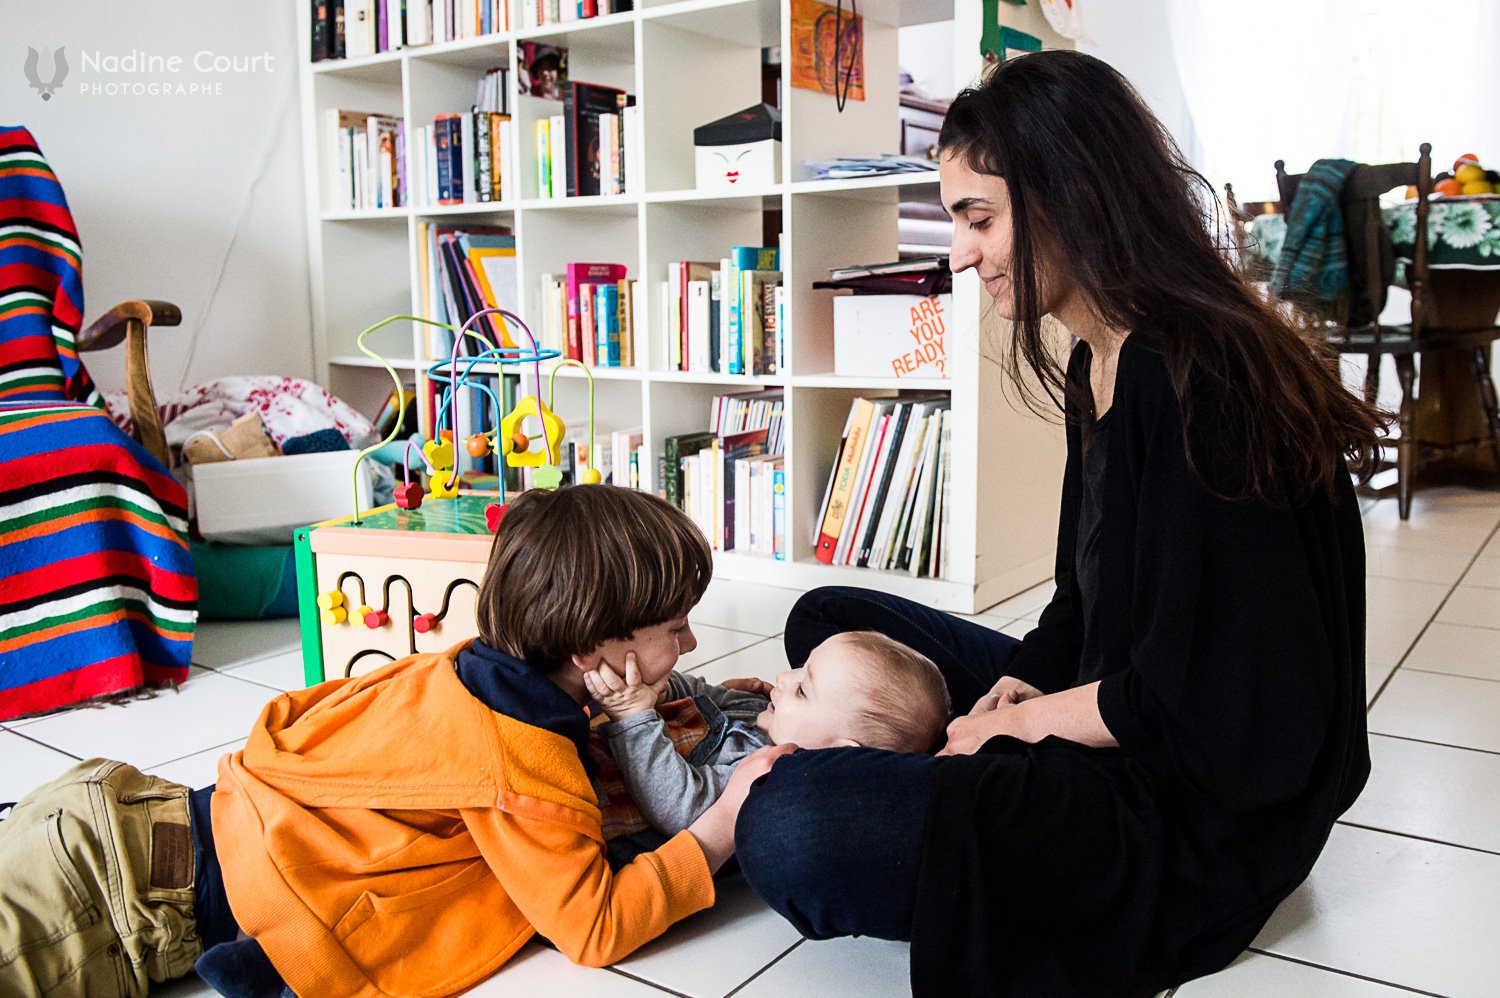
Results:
[607, 324]
[744, 258]
[543, 158]
[447, 136]
[778, 512]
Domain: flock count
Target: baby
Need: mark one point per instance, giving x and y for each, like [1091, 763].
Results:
[858, 688]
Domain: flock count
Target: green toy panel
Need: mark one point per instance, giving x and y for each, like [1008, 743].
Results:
[463, 514]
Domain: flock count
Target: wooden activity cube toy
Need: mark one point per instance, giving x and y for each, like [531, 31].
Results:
[397, 582]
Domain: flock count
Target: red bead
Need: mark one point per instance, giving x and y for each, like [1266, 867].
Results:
[425, 622]
[409, 495]
[494, 514]
[376, 618]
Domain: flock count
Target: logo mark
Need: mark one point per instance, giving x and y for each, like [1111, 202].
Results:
[59, 72]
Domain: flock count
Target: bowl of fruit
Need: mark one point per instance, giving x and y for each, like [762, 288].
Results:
[1467, 179]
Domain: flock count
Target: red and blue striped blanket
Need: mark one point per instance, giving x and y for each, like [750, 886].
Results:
[97, 592]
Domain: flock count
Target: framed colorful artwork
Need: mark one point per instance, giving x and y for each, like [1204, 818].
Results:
[828, 50]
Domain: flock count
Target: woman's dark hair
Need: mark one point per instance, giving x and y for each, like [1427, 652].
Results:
[1097, 186]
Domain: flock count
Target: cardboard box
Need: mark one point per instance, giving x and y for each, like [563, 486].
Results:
[886, 336]
[263, 500]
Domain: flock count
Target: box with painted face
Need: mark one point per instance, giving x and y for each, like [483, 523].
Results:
[740, 152]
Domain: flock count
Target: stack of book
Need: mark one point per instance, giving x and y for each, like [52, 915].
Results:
[590, 314]
[535, 13]
[729, 317]
[886, 505]
[367, 165]
[731, 478]
[461, 271]
[352, 28]
[588, 148]
[464, 158]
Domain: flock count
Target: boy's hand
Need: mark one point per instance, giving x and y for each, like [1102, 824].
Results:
[759, 687]
[622, 697]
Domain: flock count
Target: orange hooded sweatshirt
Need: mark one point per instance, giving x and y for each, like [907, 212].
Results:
[390, 834]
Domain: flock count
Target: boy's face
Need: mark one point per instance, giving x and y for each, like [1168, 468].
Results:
[814, 706]
[656, 648]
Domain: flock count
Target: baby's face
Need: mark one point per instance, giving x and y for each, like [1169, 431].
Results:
[815, 706]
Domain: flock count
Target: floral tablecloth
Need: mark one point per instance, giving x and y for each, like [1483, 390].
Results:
[1461, 235]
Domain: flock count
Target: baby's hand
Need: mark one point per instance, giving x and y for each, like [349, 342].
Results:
[622, 698]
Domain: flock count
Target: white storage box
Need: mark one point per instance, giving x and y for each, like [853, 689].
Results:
[885, 336]
[740, 152]
[262, 500]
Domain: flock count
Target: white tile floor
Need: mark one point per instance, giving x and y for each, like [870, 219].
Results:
[1403, 900]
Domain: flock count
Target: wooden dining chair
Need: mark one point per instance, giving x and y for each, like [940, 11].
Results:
[1446, 317]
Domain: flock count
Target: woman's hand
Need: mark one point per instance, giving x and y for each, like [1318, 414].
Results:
[759, 687]
[1008, 689]
[622, 696]
[966, 734]
[714, 828]
[993, 715]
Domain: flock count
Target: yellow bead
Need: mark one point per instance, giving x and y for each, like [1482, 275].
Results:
[331, 599]
[591, 476]
[363, 610]
[335, 616]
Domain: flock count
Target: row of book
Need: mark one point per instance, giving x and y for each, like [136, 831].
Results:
[462, 270]
[590, 314]
[589, 148]
[731, 479]
[535, 13]
[375, 162]
[728, 318]
[887, 501]
[351, 28]
[367, 165]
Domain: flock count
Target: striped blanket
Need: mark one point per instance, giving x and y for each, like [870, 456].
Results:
[97, 593]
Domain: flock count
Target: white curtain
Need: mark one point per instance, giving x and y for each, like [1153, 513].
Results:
[1368, 80]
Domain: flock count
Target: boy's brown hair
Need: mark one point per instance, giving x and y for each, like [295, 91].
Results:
[907, 707]
[576, 567]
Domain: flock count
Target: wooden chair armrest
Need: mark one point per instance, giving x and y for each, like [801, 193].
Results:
[128, 322]
[109, 329]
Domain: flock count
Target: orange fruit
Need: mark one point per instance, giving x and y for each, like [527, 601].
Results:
[1411, 193]
[1449, 188]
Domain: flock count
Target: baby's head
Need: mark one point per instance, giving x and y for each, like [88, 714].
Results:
[860, 688]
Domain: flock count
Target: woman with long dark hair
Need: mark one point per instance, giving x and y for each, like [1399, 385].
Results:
[1139, 782]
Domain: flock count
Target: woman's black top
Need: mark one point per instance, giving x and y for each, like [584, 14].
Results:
[1228, 641]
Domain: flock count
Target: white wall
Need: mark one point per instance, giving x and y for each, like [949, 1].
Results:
[192, 198]
[1134, 38]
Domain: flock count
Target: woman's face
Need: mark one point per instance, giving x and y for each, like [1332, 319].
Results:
[983, 236]
[982, 233]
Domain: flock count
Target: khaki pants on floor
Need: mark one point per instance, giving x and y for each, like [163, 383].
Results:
[96, 885]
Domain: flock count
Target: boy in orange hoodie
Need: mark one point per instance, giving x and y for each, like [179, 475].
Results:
[404, 832]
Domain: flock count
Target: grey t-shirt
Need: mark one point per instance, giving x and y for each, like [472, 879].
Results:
[672, 790]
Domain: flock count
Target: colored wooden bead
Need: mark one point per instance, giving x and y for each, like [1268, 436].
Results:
[331, 599]
[337, 615]
[591, 476]
[409, 495]
[425, 622]
[478, 445]
[375, 619]
[494, 513]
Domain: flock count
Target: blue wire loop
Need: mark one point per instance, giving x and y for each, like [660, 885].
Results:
[446, 372]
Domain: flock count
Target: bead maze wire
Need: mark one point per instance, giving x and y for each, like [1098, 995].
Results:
[447, 372]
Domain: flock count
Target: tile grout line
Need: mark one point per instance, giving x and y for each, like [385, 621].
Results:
[1345, 973]
[1430, 620]
[208, 748]
[746, 982]
[648, 983]
[1455, 675]
[1418, 838]
[38, 741]
[1428, 741]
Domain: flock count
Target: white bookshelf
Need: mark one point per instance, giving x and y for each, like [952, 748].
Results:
[688, 63]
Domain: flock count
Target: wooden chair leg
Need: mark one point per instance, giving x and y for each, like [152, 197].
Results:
[1372, 379]
[1406, 448]
[1486, 385]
